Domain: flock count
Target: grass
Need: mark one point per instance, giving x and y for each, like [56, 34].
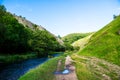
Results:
[83, 72]
[15, 58]
[89, 68]
[44, 71]
[82, 42]
[105, 43]
[103, 65]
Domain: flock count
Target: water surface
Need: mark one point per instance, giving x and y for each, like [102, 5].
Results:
[14, 71]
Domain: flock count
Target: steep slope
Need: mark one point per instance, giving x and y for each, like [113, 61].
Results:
[27, 23]
[19, 36]
[105, 43]
[82, 42]
[33, 26]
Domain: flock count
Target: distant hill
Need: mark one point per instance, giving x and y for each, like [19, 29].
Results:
[105, 43]
[70, 38]
[81, 43]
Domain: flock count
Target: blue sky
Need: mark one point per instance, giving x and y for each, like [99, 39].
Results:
[62, 17]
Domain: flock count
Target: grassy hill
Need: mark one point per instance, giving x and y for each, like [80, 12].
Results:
[70, 38]
[105, 43]
[82, 42]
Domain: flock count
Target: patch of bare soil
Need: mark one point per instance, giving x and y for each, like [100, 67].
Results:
[69, 66]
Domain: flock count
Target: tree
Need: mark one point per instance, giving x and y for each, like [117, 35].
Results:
[35, 27]
[114, 16]
[17, 39]
[14, 36]
[2, 8]
[59, 37]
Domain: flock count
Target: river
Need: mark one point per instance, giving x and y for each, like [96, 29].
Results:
[14, 71]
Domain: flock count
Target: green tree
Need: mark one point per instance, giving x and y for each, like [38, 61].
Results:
[2, 8]
[15, 38]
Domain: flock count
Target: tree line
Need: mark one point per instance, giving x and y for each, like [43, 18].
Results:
[17, 39]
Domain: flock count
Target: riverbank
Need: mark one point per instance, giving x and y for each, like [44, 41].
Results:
[13, 71]
[44, 71]
[9, 59]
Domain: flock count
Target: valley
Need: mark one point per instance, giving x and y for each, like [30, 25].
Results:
[30, 52]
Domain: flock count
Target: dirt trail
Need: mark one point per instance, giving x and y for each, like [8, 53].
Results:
[68, 65]
[59, 65]
[102, 69]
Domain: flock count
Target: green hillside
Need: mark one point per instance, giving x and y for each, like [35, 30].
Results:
[70, 38]
[81, 43]
[20, 36]
[105, 43]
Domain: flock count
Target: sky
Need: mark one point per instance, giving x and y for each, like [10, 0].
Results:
[62, 17]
